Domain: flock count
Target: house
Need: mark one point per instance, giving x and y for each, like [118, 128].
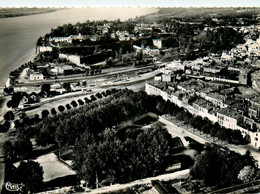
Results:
[44, 49]
[35, 76]
[158, 77]
[228, 118]
[57, 87]
[202, 106]
[57, 70]
[67, 69]
[253, 112]
[216, 99]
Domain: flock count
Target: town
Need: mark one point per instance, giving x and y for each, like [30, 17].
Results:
[185, 90]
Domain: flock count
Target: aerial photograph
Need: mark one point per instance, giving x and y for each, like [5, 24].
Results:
[138, 96]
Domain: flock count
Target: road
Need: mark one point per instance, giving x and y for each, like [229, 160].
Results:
[173, 127]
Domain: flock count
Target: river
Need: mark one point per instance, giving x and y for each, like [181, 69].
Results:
[18, 35]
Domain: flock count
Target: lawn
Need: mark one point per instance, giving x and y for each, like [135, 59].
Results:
[52, 167]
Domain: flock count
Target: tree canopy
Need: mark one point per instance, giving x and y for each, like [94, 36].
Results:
[220, 167]
[30, 173]
[118, 157]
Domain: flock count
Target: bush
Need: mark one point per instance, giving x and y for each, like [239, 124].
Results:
[61, 108]
[45, 113]
[68, 106]
[87, 100]
[74, 103]
[53, 111]
[80, 102]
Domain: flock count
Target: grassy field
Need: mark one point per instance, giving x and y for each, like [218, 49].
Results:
[14, 12]
[53, 167]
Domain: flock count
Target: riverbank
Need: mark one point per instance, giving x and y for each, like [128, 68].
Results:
[23, 11]
[18, 35]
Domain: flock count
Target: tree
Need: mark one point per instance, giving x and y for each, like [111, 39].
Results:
[206, 128]
[80, 102]
[213, 131]
[139, 56]
[9, 116]
[8, 151]
[53, 111]
[22, 148]
[30, 173]
[46, 88]
[16, 98]
[187, 120]
[98, 95]
[93, 98]
[87, 100]
[67, 87]
[61, 108]
[247, 174]
[74, 103]
[68, 106]
[45, 113]
[9, 104]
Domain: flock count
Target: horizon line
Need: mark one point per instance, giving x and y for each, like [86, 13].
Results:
[14, 7]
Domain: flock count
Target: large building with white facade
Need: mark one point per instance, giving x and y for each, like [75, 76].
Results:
[210, 107]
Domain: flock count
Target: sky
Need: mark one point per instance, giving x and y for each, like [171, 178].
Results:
[132, 3]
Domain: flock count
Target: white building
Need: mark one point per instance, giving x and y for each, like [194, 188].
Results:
[57, 70]
[157, 43]
[36, 76]
[225, 117]
[44, 49]
[216, 99]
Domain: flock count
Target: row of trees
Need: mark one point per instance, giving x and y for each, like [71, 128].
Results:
[93, 117]
[203, 125]
[223, 167]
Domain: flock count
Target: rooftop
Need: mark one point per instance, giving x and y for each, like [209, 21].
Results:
[204, 104]
[229, 112]
[216, 96]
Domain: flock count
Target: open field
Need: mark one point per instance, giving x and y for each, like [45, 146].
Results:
[52, 167]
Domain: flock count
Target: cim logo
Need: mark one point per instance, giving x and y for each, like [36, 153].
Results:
[13, 187]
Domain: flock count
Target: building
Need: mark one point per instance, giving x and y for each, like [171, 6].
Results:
[35, 76]
[226, 117]
[67, 69]
[57, 71]
[216, 99]
[157, 43]
[41, 49]
[57, 87]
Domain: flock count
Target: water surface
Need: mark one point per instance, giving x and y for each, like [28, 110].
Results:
[18, 35]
